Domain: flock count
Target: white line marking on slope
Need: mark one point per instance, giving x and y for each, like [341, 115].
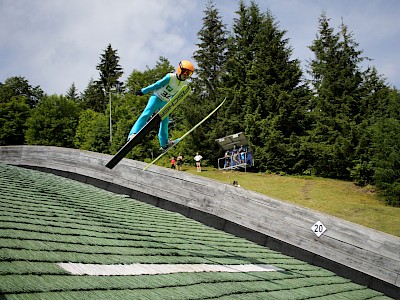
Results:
[147, 269]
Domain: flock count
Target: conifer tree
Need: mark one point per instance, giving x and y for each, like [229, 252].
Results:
[210, 55]
[276, 92]
[335, 108]
[210, 59]
[373, 107]
[72, 93]
[93, 97]
[386, 159]
[376, 97]
[268, 96]
[109, 70]
[240, 55]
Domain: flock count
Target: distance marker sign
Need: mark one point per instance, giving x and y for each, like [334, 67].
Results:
[318, 228]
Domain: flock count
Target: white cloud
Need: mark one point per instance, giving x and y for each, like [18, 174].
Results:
[56, 42]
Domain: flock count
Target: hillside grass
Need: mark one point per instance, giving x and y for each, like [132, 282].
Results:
[338, 198]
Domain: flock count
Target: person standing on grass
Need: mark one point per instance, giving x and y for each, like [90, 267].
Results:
[227, 161]
[179, 160]
[198, 159]
[173, 162]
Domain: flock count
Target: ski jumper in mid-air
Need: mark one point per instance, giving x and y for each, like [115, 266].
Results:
[163, 90]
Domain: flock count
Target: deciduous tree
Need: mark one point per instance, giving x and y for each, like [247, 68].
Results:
[53, 122]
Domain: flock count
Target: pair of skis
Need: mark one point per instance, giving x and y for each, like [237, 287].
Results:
[183, 136]
[153, 123]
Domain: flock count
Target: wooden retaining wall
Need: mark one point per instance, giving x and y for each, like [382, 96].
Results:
[364, 255]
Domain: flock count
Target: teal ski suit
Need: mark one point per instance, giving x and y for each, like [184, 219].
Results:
[163, 90]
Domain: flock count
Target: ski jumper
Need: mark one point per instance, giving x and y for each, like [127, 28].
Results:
[164, 89]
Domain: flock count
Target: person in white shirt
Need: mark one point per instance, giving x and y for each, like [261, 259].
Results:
[198, 159]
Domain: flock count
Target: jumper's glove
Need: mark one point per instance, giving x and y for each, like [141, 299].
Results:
[139, 93]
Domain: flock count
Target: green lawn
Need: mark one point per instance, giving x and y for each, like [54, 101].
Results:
[342, 199]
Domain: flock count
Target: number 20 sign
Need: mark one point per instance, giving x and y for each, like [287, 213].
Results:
[318, 228]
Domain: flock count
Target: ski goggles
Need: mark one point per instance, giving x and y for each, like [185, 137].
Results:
[187, 72]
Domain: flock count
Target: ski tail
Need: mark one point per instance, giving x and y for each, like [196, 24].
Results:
[152, 124]
[183, 136]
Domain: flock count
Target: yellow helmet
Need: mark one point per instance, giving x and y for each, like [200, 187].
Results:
[185, 67]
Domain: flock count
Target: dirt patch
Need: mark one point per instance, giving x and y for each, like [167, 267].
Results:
[307, 189]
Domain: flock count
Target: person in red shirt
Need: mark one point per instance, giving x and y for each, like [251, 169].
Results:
[173, 162]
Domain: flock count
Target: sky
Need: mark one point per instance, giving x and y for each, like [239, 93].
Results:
[54, 43]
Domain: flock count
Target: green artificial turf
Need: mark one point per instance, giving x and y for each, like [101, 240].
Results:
[47, 220]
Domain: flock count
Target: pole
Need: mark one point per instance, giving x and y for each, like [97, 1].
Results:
[110, 117]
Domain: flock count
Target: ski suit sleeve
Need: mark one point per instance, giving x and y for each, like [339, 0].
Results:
[157, 85]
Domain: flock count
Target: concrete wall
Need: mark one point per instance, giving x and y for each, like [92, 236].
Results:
[366, 256]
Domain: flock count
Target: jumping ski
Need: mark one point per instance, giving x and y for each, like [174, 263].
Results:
[151, 124]
[183, 136]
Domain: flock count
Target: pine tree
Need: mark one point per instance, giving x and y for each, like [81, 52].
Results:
[335, 108]
[210, 58]
[241, 49]
[386, 159]
[211, 55]
[93, 97]
[109, 70]
[268, 95]
[376, 97]
[373, 107]
[72, 93]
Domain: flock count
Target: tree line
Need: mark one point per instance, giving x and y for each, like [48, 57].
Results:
[338, 118]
